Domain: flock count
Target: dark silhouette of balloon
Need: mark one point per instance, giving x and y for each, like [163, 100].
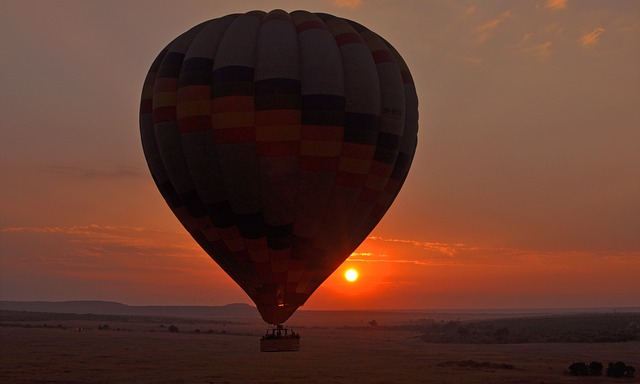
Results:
[279, 140]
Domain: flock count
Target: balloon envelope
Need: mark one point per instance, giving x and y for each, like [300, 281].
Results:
[279, 140]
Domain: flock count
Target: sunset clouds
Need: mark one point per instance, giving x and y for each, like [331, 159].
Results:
[109, 259]
[438, 274]
[540, 32]
[115, 259]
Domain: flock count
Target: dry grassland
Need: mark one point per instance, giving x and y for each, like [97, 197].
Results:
[145, 352]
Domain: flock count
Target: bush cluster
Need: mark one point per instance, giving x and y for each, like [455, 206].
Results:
[618, 369]
[582, 369]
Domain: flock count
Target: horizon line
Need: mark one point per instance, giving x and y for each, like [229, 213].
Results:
[632, 308]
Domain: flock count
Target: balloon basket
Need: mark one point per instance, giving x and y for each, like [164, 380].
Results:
[280, 339]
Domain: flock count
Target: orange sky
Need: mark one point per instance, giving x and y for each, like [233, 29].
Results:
[524, 191]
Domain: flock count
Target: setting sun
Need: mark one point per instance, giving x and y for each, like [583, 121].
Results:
[351, 275]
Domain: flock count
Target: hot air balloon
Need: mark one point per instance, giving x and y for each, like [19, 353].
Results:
[279, 140]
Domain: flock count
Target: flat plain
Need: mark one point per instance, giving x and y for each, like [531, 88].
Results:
[340, 347]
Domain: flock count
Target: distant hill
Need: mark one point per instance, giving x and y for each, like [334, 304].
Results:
[118, 309]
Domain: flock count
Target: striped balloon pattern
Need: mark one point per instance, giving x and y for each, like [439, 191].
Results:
[279, 140]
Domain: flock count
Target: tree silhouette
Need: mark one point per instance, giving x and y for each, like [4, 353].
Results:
[578, 369]
[582, 369]
[595, 368]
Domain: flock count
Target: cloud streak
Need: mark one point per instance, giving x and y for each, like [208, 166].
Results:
[117, 172]
[486, 30]
[447, 249]
[94, 262]
[100, 247]
[378, 249]
[351, 4]
[555, 5]
[592, 38]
